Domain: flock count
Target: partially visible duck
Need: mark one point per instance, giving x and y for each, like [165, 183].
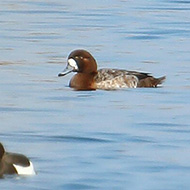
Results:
[89, 78]
[13, 163]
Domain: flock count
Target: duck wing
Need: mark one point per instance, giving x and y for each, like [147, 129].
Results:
[114, 79]
[18, 159]
[127, 79]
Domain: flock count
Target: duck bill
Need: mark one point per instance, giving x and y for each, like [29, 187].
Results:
[66, 71]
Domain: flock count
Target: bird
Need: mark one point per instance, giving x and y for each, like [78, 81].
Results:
[14, 163]
[87, 76]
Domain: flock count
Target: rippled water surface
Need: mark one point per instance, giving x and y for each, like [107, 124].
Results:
[125, 139]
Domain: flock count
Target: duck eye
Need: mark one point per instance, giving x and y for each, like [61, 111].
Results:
[79, 57]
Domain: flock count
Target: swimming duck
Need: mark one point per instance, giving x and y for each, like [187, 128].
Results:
[89, 78]
[13, 163]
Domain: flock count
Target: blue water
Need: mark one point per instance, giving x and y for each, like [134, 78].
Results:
[125, 139]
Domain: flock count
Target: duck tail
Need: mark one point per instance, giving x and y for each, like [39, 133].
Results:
[150, 81]
[160, 80]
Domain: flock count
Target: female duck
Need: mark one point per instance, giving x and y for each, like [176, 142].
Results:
[89, 78]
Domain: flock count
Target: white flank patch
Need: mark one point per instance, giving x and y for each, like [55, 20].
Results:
[73, 63]
[25, 170]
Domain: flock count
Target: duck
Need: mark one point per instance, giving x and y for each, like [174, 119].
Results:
[87, 76]
[14, 163]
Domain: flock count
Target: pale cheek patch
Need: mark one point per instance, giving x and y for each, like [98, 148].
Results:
[25, 170]
[73, 63]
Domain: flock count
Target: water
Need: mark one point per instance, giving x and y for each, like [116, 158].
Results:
[125, 139]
